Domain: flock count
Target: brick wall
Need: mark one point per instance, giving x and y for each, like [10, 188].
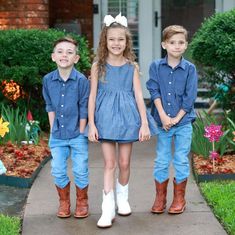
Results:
[72, 11]
[43, 14]
[24, 14]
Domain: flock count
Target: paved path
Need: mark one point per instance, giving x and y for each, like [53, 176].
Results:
[40, 218]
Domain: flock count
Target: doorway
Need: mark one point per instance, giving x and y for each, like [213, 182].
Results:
[144, 22]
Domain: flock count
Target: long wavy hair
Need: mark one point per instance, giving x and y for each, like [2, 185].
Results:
[102, 50]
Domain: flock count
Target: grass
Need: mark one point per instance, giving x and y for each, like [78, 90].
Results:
[9, 225]
[220, 195]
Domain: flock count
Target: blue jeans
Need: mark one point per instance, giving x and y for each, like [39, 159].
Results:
[182, 136]
[77, 148]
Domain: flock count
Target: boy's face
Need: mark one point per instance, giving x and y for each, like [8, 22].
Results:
[65, 55]
[175, 45]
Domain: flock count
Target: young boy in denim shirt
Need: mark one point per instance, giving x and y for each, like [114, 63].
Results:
[173, 89]
[66, 92]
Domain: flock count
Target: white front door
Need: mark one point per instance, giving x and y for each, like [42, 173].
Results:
[144, 22]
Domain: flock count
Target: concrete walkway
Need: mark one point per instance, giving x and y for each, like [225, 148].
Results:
[40, 212]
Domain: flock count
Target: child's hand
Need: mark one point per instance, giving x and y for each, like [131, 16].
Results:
[174, 121]
[166, 122]
[144, 133]
[93, 133]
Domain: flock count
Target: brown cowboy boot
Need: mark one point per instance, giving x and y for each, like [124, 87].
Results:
[160, 200]
[81, 210]
[179, 203]
[64, 197]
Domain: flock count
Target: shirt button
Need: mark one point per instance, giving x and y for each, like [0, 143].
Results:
[62, 94]
[62, 105]
[62, 125]
[169, 103]
[171, 72]
[169, 114]
[169, 82]
[62, 115]
[63, 84]
[169, 93]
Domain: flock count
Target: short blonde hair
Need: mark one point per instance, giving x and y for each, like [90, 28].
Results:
[66, 39]
[171, 30]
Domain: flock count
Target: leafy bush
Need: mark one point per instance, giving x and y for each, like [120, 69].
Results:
[231, 135]
[25, 58]
[17, 123]
[212, 48]
[20, 129]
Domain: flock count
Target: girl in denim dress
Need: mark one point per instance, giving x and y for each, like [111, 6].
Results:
[116, 112]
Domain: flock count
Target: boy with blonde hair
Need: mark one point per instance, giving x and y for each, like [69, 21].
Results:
[173, 88]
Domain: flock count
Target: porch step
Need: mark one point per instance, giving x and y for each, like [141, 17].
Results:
[202, 101]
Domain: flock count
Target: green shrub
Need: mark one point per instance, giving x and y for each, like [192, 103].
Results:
[212, 48]
[26, 57]
[231, 135]
[17, 122]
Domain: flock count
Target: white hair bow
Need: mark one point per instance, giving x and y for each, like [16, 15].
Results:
[122, 20]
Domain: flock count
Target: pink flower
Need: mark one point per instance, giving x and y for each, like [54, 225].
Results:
[29, 116]
[213, 132]
[214, 155]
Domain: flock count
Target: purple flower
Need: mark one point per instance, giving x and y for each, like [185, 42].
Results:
[214, 155]
[213, 132]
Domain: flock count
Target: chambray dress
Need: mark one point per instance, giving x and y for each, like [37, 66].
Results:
[116, 114]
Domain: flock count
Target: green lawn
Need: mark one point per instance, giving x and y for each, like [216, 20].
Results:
[220, 195]
[9, 225]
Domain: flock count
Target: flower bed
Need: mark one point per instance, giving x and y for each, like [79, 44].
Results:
[224, 168]
[23, 163]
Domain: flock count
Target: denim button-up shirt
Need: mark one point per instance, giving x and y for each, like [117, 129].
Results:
[176, 87]
[68, 99]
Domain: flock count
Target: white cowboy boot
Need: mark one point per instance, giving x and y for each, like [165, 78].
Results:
[108, 210]
[122, 199]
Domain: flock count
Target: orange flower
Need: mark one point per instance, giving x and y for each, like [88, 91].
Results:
[11, 90]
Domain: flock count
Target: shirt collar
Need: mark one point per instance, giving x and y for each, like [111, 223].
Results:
[182, 63]
[73, 75]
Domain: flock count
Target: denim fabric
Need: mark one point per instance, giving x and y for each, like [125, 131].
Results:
[77, 148]
[182, 136]
[68, 99]
[117, 116]
[176, 87]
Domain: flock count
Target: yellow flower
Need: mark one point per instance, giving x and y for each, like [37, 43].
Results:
[3, 127]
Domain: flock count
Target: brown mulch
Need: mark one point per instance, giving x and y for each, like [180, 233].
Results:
[223, 165]
[23, 160]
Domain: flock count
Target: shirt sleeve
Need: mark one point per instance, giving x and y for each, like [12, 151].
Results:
[190, 94]
[46, 96]
[84, 95]
[153, 84]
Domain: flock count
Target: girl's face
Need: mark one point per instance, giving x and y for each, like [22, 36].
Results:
[65, 55]
[175, 45]
[116, 41]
